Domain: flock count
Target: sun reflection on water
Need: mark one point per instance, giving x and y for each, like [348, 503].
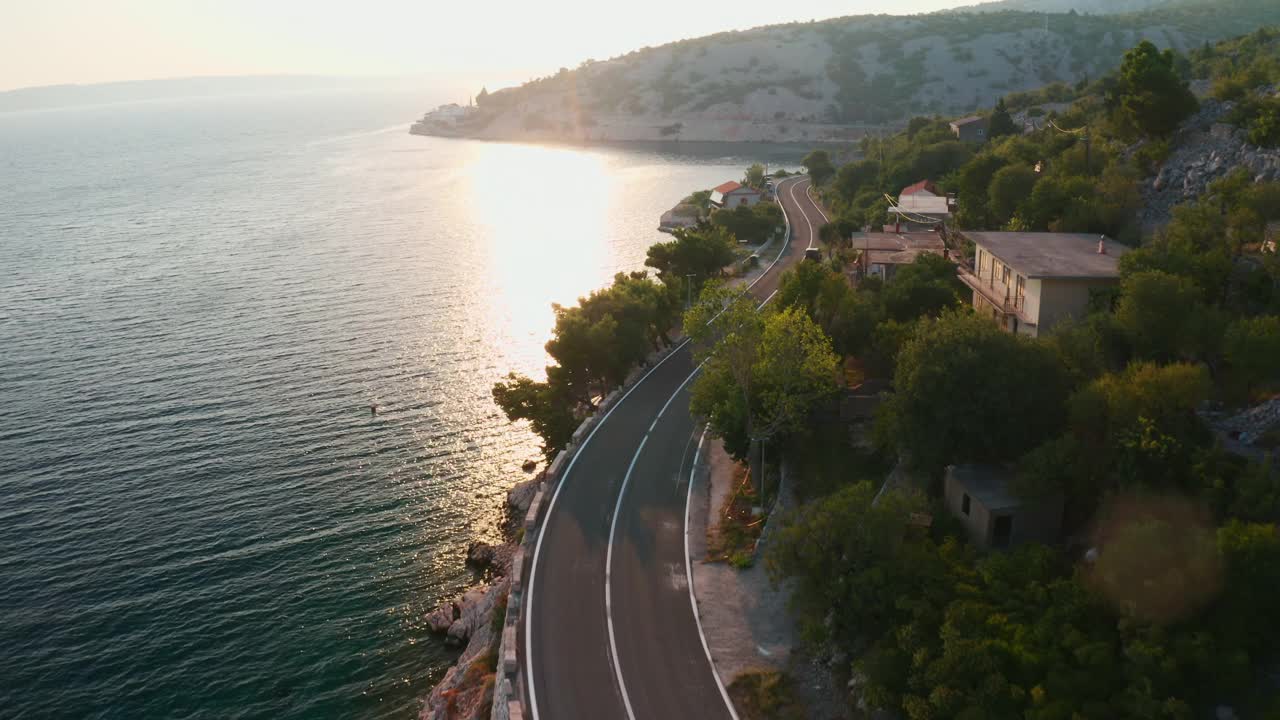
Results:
[544, 210]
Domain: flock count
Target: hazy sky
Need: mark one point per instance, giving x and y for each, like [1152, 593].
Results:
[498, 42]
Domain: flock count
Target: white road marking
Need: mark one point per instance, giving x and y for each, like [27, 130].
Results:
[564, 478]
[688, 569]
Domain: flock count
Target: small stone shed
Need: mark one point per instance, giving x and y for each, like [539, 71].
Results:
[980, 497]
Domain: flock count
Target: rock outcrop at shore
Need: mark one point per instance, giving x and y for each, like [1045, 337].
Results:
[475, 618]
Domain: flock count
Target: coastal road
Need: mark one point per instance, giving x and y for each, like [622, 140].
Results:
[610, 630]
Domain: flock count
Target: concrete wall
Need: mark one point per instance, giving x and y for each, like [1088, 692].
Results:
[1037, 521]
[1061, 299]
[978, 522]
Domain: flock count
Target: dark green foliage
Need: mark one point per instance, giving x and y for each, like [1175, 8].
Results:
[1000, 123]
[1149, 97]
[753, 224]
[702, 252]
[963, 393]
[818, 164]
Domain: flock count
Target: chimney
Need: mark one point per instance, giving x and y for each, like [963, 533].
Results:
[1102, 245]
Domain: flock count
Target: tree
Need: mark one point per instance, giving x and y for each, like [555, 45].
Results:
[762, 372]
[846, 553]
[1163, 316]
[702, 252]
[925, 288]
[1001, 123]
[482, 97]
[546, 407]
[754, 177]
[818, 163]
[753, 225]
[1149, 97]
[1252, 349]
[1010, 187]
[966, 391]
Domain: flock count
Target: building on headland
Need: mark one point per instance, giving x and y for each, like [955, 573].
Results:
[971, 129]
[881, 254]
[444, 120]
[1030, 281]
[734, 194]
[981, 498]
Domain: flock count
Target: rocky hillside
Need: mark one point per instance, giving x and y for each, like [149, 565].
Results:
[832, 80]
[1206, 148]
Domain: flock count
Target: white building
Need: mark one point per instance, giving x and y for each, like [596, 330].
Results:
[734, 194]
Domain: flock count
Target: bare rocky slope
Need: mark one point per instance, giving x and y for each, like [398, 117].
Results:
[834, 80]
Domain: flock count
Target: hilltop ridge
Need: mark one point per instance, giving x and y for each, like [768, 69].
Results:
[836, 80]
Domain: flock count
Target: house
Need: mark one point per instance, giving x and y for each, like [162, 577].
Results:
[1030, 281]
[971, 129]
[920, 211]
[733, 194]
[883, 253]
[980, 497]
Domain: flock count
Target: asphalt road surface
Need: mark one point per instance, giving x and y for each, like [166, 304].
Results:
[609, 626]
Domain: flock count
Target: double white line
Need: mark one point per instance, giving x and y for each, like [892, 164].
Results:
[564, 478]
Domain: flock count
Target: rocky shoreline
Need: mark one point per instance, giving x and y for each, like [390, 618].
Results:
[474, 619]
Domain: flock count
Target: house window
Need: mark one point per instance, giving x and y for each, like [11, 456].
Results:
[1021, 291]
[1004, 274]
[964, 504]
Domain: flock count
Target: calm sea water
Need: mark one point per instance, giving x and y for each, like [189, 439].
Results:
[199, 301]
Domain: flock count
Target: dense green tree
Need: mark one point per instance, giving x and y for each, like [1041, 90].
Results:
[546, 406]
[818, 164]
[847, 551]
[754, 177]
[962, 393]
[973, 181]
[1149, 96]
[1010, 187]
[924, 288]
[752, 225]
[1164, 317]
[1252, 348]
[763, 372]
[1001, 123]
[702, 252]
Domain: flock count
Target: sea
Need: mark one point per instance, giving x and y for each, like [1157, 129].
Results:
[201, 302]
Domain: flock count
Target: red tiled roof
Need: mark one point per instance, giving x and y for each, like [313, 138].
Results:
[728, 187]
[922, 185]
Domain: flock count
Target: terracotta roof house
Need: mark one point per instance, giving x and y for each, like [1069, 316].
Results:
[734, 194]
[924, 187]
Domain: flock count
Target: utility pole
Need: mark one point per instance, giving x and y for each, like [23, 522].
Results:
[688, 287]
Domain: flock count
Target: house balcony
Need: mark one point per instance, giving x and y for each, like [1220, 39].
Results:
[998, 294]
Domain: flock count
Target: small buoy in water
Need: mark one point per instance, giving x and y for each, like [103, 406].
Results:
[529, 465]
[373, 410]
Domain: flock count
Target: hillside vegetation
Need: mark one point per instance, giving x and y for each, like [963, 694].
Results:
[830, 80]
